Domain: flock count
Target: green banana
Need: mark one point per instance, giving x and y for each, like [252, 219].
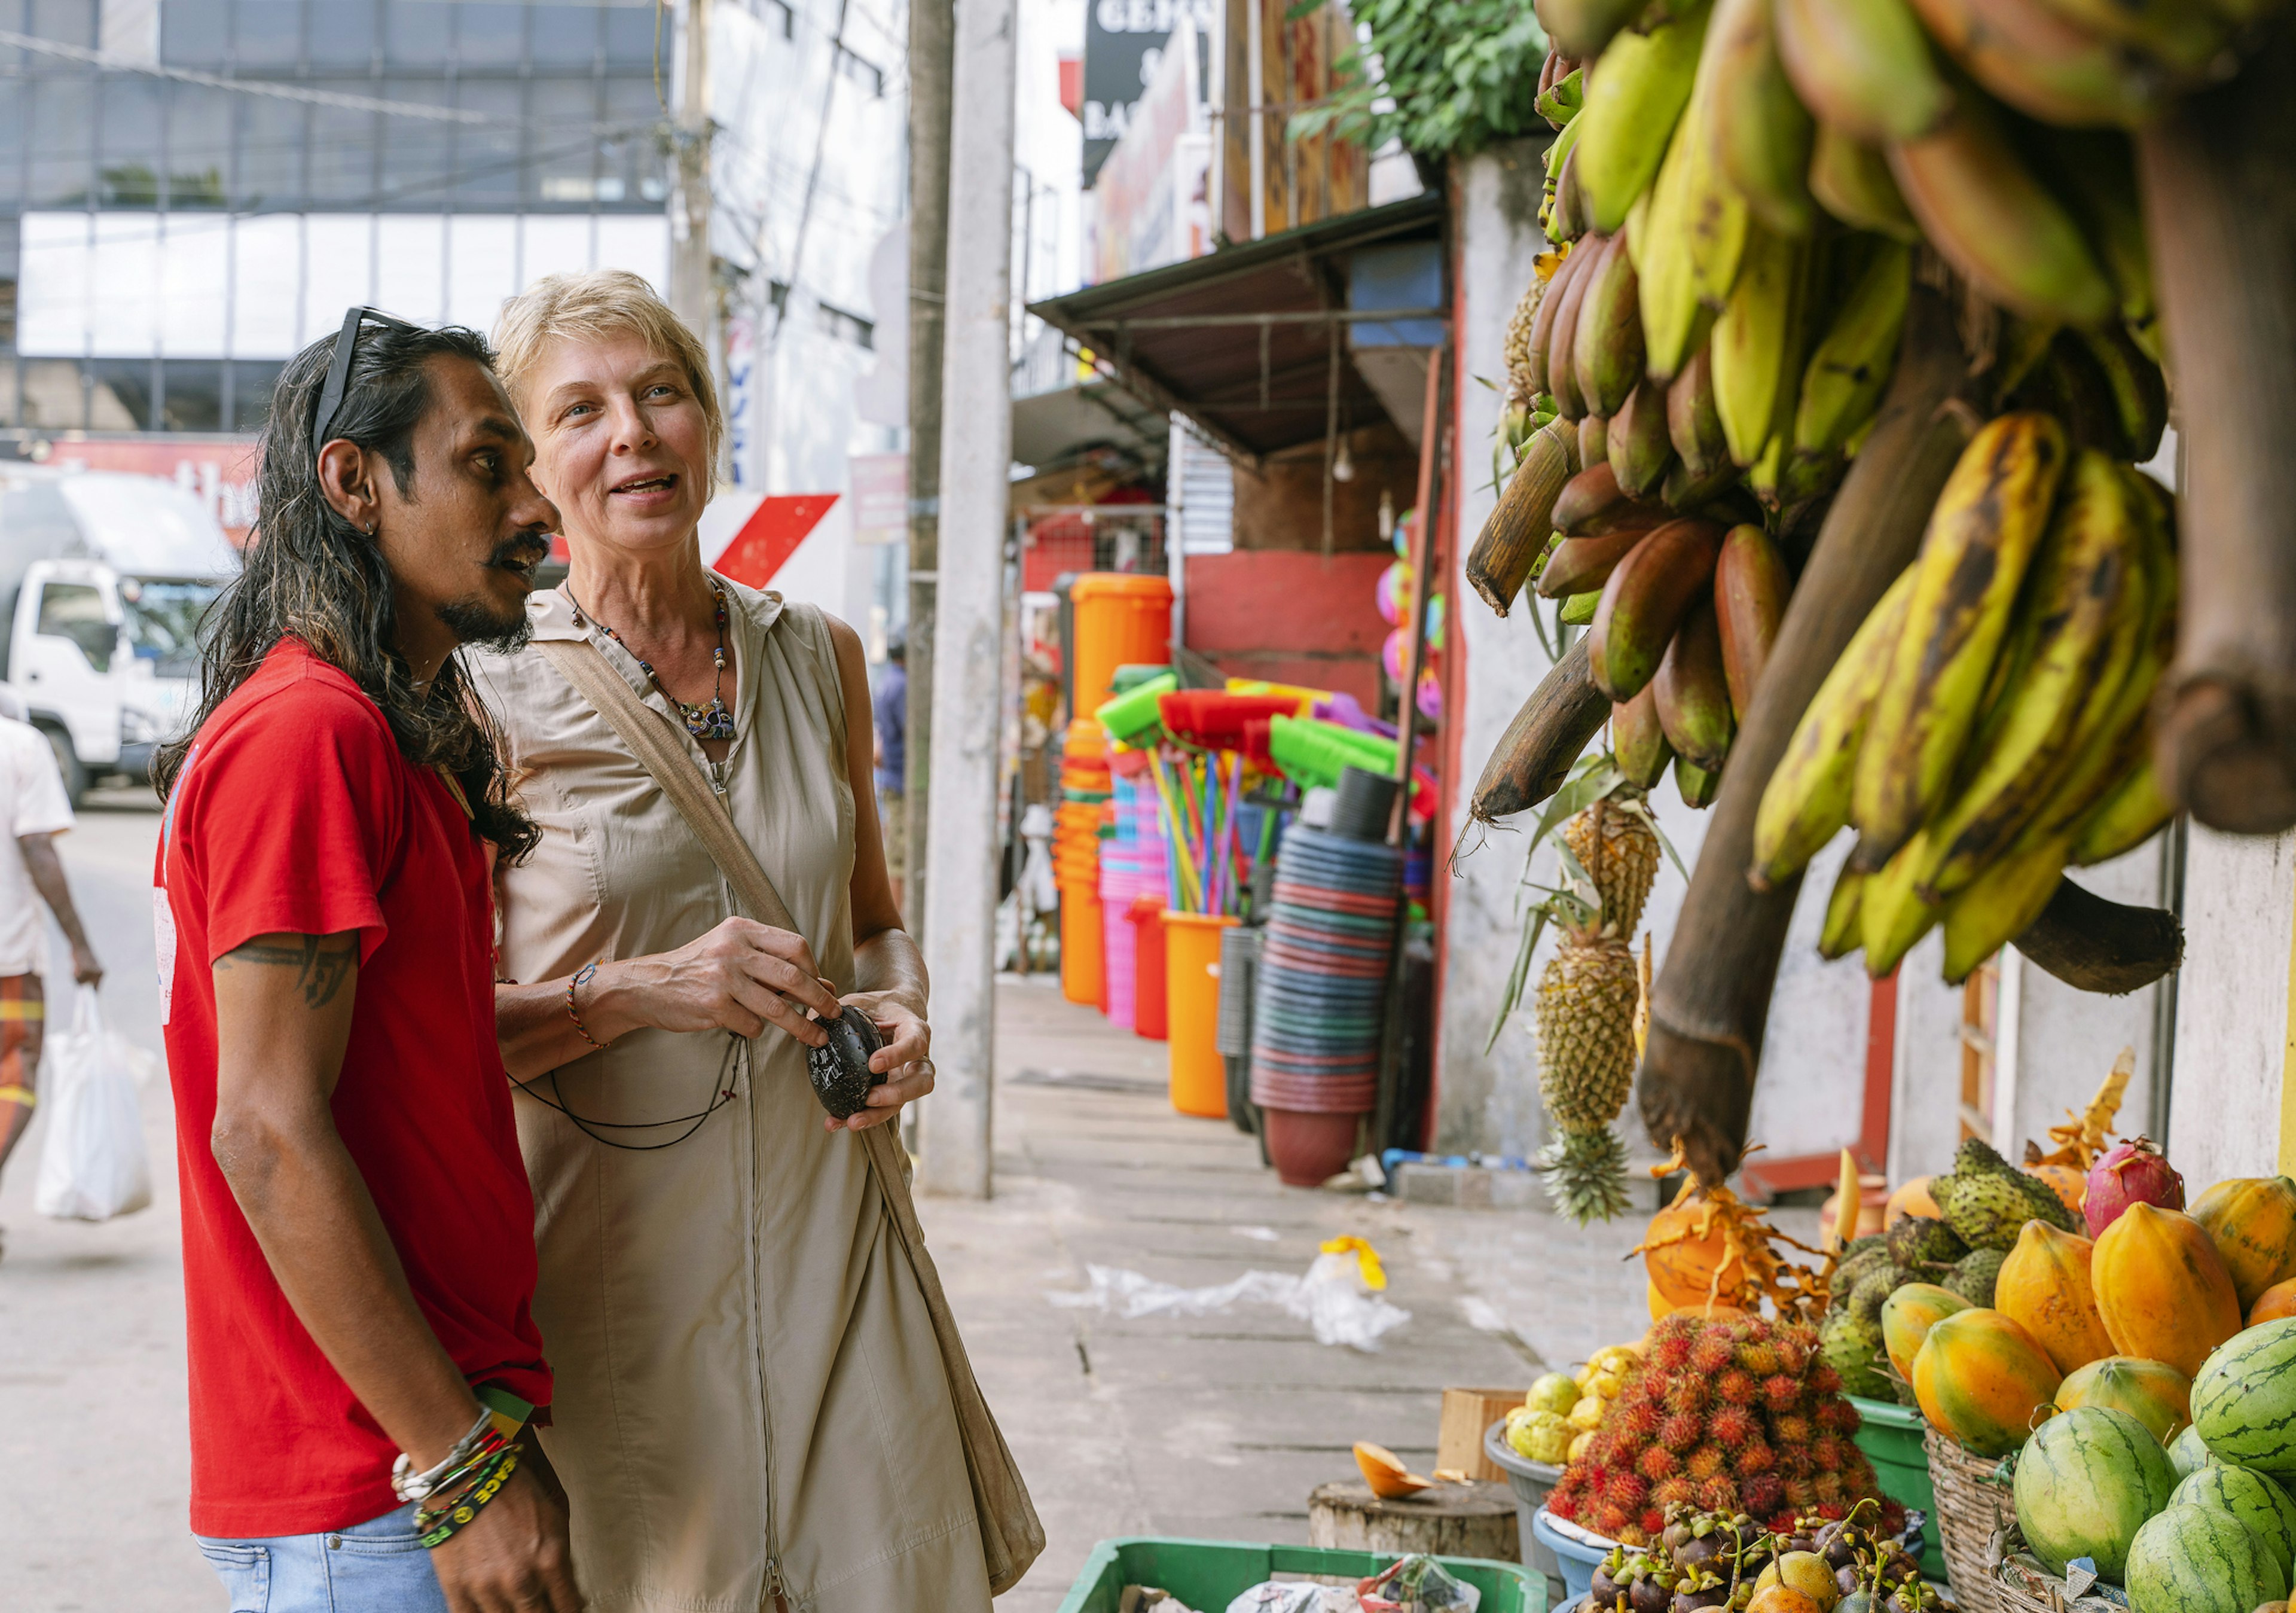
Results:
[1608, 349]
[2093, 171]
[1640, 449]
[2022, 346]
[2140, 394]
[1753, 121]
[1852, 362]
[1863, 66]
[1981, 536]
[1994, 220]
[1581, 28]
[1851, 180]
[2086, 600]
[1693, 424]
[2045, 66]
[1639, 740]
[1891, 915]
[2177, 34]
[1840, 934]
[1578, 610]
[2126, 819]
[1996, 909]
[1636, 97]
[1807, 798]
[1558, 102]
[1698, 786]
[1755, 347]
[1680, 247]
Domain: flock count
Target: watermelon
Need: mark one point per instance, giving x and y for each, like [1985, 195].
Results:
[2085, 1482]
[2197, 1560]
[2186, 1453]
[2244, 1399]
[2251, 1497]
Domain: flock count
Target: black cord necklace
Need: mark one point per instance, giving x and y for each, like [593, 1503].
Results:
[723, 1094]
[710, 719]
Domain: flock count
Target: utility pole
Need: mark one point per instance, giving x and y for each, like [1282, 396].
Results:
[933, 43]
[693, 293]
[976, 452]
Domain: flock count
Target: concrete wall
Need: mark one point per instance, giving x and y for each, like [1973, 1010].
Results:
[1813, 1060]
[2232, 1006]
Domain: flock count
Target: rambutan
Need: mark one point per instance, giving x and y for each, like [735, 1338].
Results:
[1712, 1353]
[1837, 1416]
[1763, 1495]
[1792, 1431]
[1829, 1489]
[1795, 1346]
[1627, 1490]
[1781, 1393]
[1731, 1427]
[1670, 1346]
[1760, 1357]
[1799, 1496]
[1705, 1462]
[1795, 1462]
[1563, 1504]
[1717, 1494]
[1658, 1463]
[1614, 1521]
[1598, 1484]
[1833, 1511]
[1832, 1454]
[1825, 1380]
[1738, 1387]
[1653, 1521]
[1688, 1392]
[1676, 1492]
[1638, 1423]
[1754, 1457]
[1681, 1431]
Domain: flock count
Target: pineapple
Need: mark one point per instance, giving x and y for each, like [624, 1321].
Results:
[1518, 343]
[1614, 841]
[1585, 1019]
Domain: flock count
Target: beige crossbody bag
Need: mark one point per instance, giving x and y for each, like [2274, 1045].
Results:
[1011, 1535]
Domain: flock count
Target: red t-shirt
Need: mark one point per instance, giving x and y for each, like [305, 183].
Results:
[297, 812]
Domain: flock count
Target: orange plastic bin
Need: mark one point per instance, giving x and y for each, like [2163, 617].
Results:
[1121, 620]
[1081, 945]
[1192, 947]
[1148, 965]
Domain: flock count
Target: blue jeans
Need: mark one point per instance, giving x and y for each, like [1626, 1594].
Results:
[376, 1567]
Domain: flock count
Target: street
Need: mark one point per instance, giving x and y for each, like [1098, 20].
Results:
[1214, 1426]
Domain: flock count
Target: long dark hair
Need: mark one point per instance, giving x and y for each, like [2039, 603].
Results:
[312, 573]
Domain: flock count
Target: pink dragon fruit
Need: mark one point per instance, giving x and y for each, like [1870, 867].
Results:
[2128, 1173]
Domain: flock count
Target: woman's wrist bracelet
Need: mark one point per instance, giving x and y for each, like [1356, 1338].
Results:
[575, 1013]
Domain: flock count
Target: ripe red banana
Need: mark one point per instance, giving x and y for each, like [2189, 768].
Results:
[1645, 599]
[1580, 566]
[1639, 741]
[1693, 695]
[1751, 586]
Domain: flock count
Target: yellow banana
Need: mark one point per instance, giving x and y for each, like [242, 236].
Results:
[1754, 349]
[1891, 915]
[1807, 798]
[1980, 537]
[2002, 906]
[1713, 209]
[1851, 180]
[2140, 392]
[1635, 97]
[2126, 819]
[1668, 285]
[2086, 601]
[1755, 123]
[1841, 935]
[1863, 65]
[1843, 386]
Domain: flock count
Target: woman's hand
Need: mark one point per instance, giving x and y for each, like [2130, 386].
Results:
[903, 1060]
[742, 976]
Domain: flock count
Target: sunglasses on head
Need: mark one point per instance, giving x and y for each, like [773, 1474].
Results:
[339, 368]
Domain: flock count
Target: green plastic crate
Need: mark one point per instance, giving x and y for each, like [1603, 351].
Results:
[1206, 1575]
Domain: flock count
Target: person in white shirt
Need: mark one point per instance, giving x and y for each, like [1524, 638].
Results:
[33, 811]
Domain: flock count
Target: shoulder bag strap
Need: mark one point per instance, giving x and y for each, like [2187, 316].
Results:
[1011, 1534]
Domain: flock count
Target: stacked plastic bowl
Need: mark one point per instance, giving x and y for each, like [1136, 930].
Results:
[1131, 864]
[1320, 998]
[1239, 968]
[1084, 789]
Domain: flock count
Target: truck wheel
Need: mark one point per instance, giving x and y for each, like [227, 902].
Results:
[68, 762]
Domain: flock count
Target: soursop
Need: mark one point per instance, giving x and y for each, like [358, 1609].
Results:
[1857, 1265]
[1866, 1299]
[1972, 1278]
[1918, 1242]
[1851, 1345]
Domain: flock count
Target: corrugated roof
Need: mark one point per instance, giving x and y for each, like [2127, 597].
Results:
[1245, 341]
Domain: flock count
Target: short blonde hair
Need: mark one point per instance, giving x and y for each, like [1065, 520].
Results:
[598, 303]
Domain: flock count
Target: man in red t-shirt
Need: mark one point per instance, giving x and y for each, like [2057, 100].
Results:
[358, 1246]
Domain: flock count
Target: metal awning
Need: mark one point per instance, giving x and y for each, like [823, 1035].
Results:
[1253, 343]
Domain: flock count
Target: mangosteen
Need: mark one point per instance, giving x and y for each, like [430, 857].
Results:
[1840, 1549]
[1698, 1592]
[839, 1068]
[1678, 1528]
[1649, 1594]
[1699, 1550]
[1846, 1578]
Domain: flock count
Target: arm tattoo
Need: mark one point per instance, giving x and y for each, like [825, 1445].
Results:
[321, 963]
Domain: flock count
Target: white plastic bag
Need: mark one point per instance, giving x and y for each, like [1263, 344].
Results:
[92, 1166]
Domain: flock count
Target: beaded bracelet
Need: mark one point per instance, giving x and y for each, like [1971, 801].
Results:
[435, 1527]
[575, 1013]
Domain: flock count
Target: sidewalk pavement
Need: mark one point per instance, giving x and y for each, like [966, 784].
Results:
[1219, 1426]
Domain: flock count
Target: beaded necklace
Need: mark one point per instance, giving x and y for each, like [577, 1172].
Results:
[709, 720]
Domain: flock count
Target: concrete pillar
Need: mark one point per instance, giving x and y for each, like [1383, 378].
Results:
[976, 448]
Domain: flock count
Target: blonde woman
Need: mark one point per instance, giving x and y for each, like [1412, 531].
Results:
[750, 1409]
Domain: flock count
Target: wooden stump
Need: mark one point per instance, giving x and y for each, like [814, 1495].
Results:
[1448, 1520]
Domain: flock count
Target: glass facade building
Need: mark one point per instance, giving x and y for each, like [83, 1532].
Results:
[190, 190]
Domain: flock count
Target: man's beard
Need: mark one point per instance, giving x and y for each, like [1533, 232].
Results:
[474, 620]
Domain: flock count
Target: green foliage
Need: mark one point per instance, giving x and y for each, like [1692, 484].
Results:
[1442, 76]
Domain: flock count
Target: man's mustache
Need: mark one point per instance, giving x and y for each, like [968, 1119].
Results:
[520, 552]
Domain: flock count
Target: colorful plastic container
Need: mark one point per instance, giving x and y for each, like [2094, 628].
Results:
[1148, 968]
[1210, 1574]
[1121, 620]
[1891, 1435]
[1191, 950]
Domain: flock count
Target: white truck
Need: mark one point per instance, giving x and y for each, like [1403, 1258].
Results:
[103, 580]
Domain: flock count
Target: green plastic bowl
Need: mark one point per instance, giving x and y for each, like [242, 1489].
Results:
[1210, 1574]
[1891, 1435]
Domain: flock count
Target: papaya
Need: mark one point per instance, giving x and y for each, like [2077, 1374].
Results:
[1982, 1379]
[2044, 1286]
[2275, 1302]
[2067, 1182]
[2251, 1221]
[2161, 1288]
[2153, 1392]
[1908, 1314]
[1911, 1200]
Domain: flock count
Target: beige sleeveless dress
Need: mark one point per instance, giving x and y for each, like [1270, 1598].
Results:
[748, 1397]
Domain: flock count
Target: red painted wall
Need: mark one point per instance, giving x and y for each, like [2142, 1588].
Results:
[1290, 616]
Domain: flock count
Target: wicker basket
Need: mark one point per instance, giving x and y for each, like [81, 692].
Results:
[2025, 1586]
[1973, 1508]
